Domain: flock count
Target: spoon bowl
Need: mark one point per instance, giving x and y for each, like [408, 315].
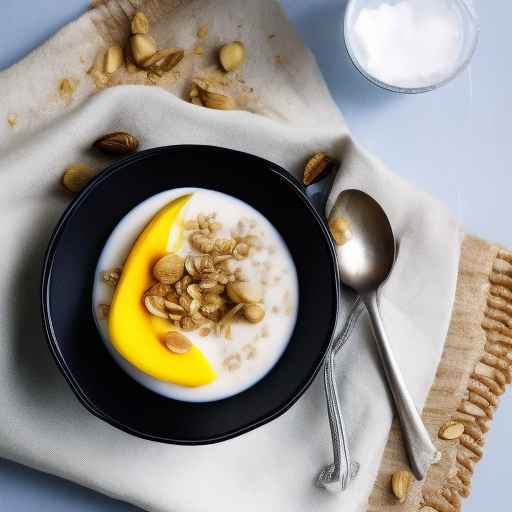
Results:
[365, 262]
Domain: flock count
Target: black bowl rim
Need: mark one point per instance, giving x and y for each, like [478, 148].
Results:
[48, 267]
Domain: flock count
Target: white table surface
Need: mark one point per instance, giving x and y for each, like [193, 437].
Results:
[454, 142]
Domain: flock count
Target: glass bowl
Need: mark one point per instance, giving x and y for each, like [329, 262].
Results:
[469, 32]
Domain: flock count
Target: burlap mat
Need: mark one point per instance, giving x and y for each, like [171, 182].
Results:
[474, 370]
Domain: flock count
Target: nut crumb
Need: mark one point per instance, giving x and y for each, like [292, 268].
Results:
[103, 311]
[279, 59]
[12, 119]
[232, 363]
[198, 50]
[202, 31]
[67, 87]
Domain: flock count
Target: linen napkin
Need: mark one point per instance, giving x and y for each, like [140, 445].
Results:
[292, 115]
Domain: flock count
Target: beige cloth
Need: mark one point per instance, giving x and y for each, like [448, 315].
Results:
[273, 467]
[474, 371]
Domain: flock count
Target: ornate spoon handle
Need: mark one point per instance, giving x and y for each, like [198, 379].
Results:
[335, 477]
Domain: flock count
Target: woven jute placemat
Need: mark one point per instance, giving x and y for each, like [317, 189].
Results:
[474, 371]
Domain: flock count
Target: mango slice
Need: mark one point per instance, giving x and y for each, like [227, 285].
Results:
[136, 334]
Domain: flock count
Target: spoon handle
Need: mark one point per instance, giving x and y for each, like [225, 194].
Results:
[420, 449]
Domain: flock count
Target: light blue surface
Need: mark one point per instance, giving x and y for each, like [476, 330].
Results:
[454, 142]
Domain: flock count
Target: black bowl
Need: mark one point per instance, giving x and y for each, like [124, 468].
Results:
[98, 382]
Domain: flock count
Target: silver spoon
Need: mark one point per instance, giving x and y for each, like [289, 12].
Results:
[366, 261]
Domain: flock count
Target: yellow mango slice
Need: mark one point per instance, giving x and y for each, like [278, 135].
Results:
[135, 333]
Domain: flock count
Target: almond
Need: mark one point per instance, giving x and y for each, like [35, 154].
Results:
[76, 176]
[114, 59]
[169, 269]
[232, 55]
[177, 342]
[143, 47]
[451, 430]
[340, 230]
[254, 313]
[244, 292]
[317, 167]
[117, 143]
[140, 23]
[400, 483]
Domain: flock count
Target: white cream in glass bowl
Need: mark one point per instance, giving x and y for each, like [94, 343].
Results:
[410, 46]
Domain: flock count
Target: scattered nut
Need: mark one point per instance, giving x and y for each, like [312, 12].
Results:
[169, 269]
[142, 46]
[244, 292]
[67, 87]
[117, 143]
[202, 32]
[155, 305]
[111, 277]
[232, 55]
[216, 100]
[140, 23]
[317, 167]
[162, 55]
[12, 119]
[114, 59]
[451, 430]
[400, 483]
[177, 342]
[340, 230]
[254, 313]
[76, 176]
[159, 289]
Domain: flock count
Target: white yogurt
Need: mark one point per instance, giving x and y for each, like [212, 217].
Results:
[260, 345]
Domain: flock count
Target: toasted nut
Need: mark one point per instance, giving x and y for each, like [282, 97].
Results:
[100, 78]
[241, 251]
[194, 307]
[159, 289]
[187, 324]
[185, 302]
[213, 299]
[318, 166]
[169, 269]
[207, 284]
[174, 308]
[195, 291]
[177, 342]
[155, 305]
[172, 60]
[216, 100]
[232, 55]
[451, 430]
[400, 483]
[114, 59]
[12, 119]
[254, 313]
[232, 362]
[111, 277]
[204, 331]
[117, 143]
[202, 31]
[160, 55]
[76, 176]
[244, 292]
[140, 23]
[340, 230]
[143, 47]
[67, 87]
